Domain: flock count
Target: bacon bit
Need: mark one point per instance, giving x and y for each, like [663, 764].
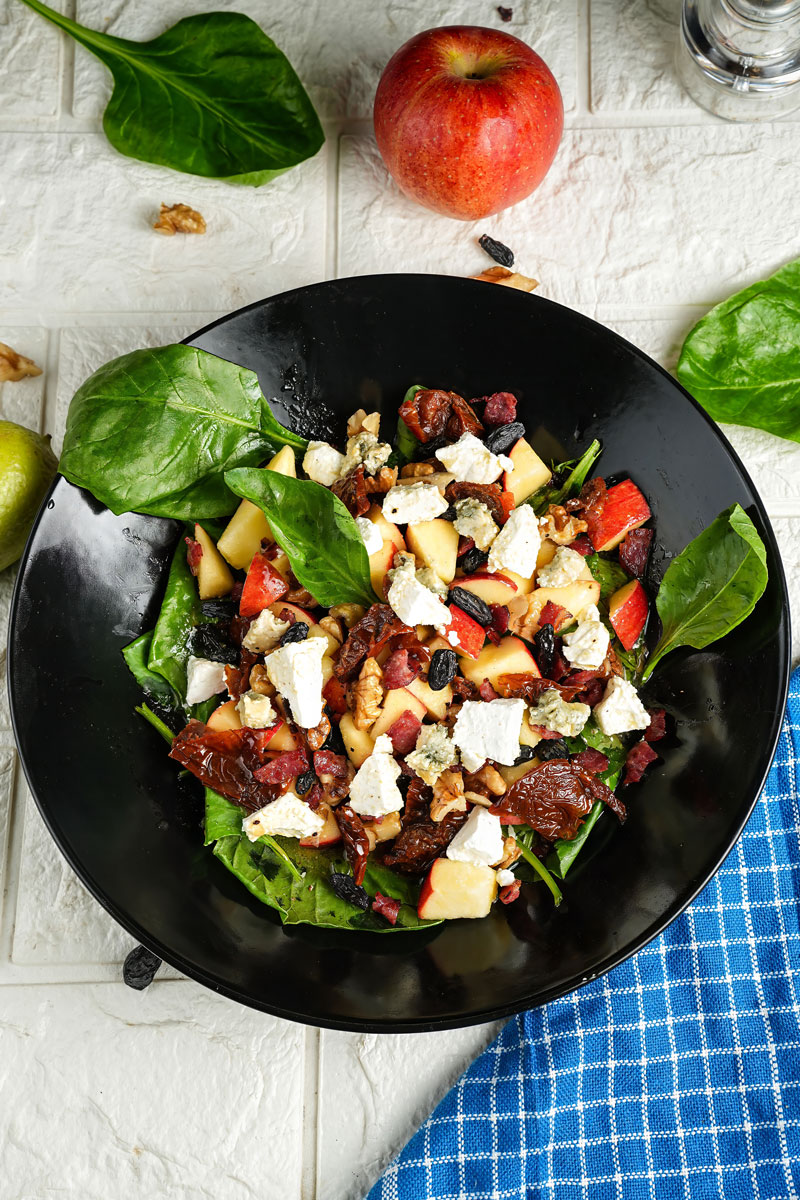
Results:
[658, 725]
[356, 842]
[639, 758]
[194, 552]
[501, 409]
[487, 692]
[593, 761]
[634, 550]
[328, 763]
[582, 545]
[384, 906]
[510, 892]
[464, 545]
[335, 696]
[286, 614]
[404, 732]
[283, 768]
[555, 615]
[399, 670]
[547, 735]
[313, 796]
[500, 617]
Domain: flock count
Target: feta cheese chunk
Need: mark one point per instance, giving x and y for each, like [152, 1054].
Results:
[412, 601]
[365, 450]
[473, 462]
[433, 753]
[504, 877]
[620, 710]
[586, 645]
[488, 729]
[288, 816]
[370, 534]
[264, 633]
[374, 791]
[564, 568]
[517, 545]
[204, 679]
[255, 711]
[553, 712]
[479, 840]
[296, 672]
[323, 463]
[417, 502]
[474, 519]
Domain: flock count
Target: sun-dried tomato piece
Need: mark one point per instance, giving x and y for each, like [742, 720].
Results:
[658, 725]
[367, 637]
[463, 689]
[582, 545]
[420, 840]
[500, 617]
[426, 413]
[404, 732]
[194, 552]
[226, 760]
[638, 760]
[399, 670]
[352, 491]
[500, 409]
[237, 679]
[509, 893]
[593, 761]
[530, 687]
[462, 419]
[328, 763]
[354, 837]
[487, 692]
[554, 798]
[385, 906]
[283, 767]
[555, 615]
[591, 499]
[489, 493]
[634, 551]
[335, 696]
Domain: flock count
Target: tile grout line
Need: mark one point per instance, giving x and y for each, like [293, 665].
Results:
[583, 65]
[310, 1126]
[12, 865]
[67, 95]
[332, 204]
[50, 398]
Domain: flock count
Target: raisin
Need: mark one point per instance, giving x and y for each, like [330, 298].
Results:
[208, 641]
[139, 968]
[348, 890]
[552, 748]
[496, 250]
[473, 606]
[544, 648]
[505, 13]
[304, 783]
[444, 665]
[295, 633]
[449, 513]
[474, 559]
[504, 437]
[526, 753]
[218, 610]
[334, 741]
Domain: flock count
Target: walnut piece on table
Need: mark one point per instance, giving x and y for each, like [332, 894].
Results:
[506, 278]
[14, 366]
[179, 218]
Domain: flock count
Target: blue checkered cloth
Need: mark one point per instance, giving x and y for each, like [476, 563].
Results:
[675, 1075]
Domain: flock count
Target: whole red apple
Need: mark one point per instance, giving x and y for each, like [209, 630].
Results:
[468, 120]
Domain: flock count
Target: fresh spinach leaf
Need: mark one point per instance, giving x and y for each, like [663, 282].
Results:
[578, 470]
[313, 527]
[152, 683]
[564, 852]
[144, 711]
[524, 837]
[711, 586]
[180, 612]
[223, 818]
[740, 361]
[609, 575]
[212, 96]
[405, 442]
[155, 431]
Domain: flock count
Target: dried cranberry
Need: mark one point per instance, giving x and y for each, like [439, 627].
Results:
[582, 545]
[593, 692]
[500, 617]
[658, 725]
[346, 888]
[472, 605]
[499, 252]
[501, 440]
[385, 906]
[635, 550]
[501, 409]
[465, 546]
[194, 552]
[473, 559]
[444, 665]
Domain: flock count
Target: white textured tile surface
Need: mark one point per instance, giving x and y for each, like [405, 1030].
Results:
[391, 1083]
[30, 62]
[633, 50]
[99, 251]
[22, 401]
[341, 65]
[170, 1092]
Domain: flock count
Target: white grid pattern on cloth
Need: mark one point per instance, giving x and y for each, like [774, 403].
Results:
[675, 1075]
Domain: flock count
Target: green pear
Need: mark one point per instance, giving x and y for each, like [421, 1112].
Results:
[27, 467]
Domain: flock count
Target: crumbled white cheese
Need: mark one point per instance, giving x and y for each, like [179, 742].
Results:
[433, 753]
[620, 710]
[473, 462]
[553, 712]
[479, 840]
[504, 877]
[474, 519]
[517, 545]
[488, 729]
[412, 601]
[323, 463]
[295, 671]
[204, 679]
[417, 502]
[429, 579]
[288, 816]
[255, 711]
[264, 633]
[564, 568]
[365, 450]
[374, 791]
[586, 646]
[370, 534]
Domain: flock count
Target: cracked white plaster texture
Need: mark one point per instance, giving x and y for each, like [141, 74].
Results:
[341, 65]
[30, 61]
[100, 252]
[394, 1082]
[190, 1087]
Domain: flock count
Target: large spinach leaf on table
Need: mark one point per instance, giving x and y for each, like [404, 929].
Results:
[742, 360]
[313, 527]
[154, 685]
[155, 431]
[711, 586]
[212, 96]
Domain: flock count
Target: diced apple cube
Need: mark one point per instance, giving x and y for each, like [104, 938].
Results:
[457, 889]
[511, 657]
[492, 589]
[627, 612]
[624, 508]
[225, 717]
[389, 531]
[397, 701]
[213, 576]
[529, 473]
[435, 702]
[435, 544]
[358, 743]
[243, 534]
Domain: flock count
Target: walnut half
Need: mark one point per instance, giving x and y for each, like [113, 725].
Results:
[512, 279]
[14, 367]
[368, 694]
[179, 218]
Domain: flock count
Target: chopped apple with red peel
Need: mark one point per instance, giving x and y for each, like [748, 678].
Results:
[283, 739]
[329, 835]
[389, 531]
[493, 589]
[627, 612]
[511, 657]
[213, 576]
[379, 563]
[358, 743]
[574, 598]
[529, 473]
[225, 717]
[522, 585]
[262, 587]
[435, 544]
[397, 701]
[455, 890]
[624, 508]
[299, 614]
[463, 634]
[435, 702]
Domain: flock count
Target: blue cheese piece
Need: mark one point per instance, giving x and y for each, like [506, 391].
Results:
[365, 450]
[488, 729]
[370, 534]
[374, 791]
[563, 569]
[288, 816]
[554, 712]
[256, 711]
[296, 672]
[433, 753]
[479, 840]
[264, 633]
[323, 463]
[474, 520]
[412, 601]
[620, 710]
[204, 679]
[416, 502]
[473, 462]
[517, 545]
[586, 646]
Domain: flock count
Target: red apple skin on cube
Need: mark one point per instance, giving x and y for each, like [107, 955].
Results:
[627, 612]
[466, 634]
[493, 589]
[511, 657]
[625, 508]
[329, 835]
[455, 890]
[262, 587]
[299, 614]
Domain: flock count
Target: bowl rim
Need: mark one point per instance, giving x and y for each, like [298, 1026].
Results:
[487, 1013]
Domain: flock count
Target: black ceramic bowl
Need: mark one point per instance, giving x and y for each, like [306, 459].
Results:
[91, 581]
